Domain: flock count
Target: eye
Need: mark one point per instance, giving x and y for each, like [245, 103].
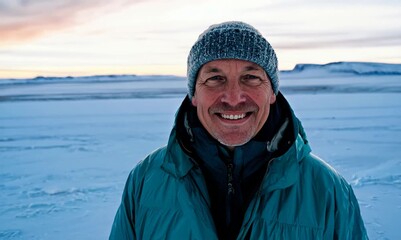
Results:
[215, 81]
[251, 80]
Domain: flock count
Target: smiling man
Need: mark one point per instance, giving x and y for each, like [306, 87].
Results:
[237, 164]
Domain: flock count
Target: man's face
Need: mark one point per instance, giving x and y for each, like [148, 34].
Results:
[233, 100]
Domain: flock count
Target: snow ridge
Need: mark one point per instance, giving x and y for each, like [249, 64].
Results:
[358, 68]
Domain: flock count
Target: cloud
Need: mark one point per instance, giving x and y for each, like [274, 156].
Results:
[22, 20]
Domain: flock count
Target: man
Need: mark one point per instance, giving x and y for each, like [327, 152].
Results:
[237, 164]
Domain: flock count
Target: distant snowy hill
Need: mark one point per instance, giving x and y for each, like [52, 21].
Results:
[360, 68]
[345, 77]
[89, 79]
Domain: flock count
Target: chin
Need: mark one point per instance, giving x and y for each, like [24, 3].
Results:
[233, 144]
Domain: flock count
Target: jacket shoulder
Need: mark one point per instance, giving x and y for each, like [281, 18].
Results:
[323, 178]
[346, 221]
[319, 170]
[124, 221]
[151, 162]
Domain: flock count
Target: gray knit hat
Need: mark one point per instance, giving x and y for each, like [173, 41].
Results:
[232, 40]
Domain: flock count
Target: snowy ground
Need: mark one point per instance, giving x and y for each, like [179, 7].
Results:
[67, 145]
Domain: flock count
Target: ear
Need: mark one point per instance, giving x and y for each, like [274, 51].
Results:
[272, 98]
[194, 101]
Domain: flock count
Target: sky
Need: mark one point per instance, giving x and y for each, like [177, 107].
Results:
[97, 37]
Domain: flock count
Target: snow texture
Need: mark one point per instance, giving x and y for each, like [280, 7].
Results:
[67, 144]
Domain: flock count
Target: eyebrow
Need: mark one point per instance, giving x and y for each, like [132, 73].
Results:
[212, 70]
[247, 68]
[252, 67]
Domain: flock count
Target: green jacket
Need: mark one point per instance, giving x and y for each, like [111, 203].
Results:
[301, 197]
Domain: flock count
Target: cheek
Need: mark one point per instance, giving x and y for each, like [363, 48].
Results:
[205, 99]
[263, 96]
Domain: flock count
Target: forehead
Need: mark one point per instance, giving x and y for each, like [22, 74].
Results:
[222, 64]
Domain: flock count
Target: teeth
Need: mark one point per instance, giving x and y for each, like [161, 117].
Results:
[233, 117]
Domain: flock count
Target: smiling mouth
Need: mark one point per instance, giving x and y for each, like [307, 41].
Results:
[234, 116]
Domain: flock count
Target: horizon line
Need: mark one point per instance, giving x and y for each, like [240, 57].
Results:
[166, 74]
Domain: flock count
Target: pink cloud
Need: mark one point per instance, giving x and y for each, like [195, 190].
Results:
[22, 20]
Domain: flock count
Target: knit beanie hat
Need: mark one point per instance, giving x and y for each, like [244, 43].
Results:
[231, 40]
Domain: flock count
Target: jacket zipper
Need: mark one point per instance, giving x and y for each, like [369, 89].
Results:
[230, 177]
[245, 227]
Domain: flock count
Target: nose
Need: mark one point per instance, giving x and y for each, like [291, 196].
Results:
[233, 93]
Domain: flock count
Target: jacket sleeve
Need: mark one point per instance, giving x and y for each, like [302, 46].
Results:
[124, 221]
[348, 220]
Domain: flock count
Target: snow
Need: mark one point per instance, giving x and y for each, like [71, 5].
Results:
[67, 144]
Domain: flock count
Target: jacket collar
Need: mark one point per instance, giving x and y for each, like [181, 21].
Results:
[284, 171]
[177, 161]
